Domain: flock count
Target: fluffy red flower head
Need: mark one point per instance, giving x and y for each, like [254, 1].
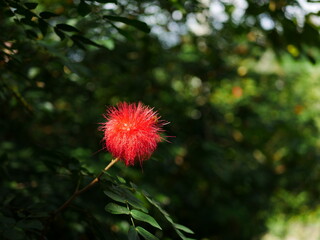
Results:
[132, 132]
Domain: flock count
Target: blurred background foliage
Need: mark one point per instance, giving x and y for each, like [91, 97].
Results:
[237, 79]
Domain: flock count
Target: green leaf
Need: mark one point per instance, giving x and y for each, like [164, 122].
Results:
[116, 209]
[79, 44]
[133, 234]
[145, 234]
[183, 228]
[84, 40]
[59, 33]
[182, 236]
[31, 5]
[66, 27]
[115, 196]
[25, 12]
[27, 21]
[177, 227]
[121, 179]
[83, 8]
[129, 197]
[138, 215]
[157, 205]
[169, 219]
[123, 33]
[46, 15]
[43, 26]
[132, 22]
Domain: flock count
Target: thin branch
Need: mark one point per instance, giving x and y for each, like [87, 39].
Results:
[90, 185]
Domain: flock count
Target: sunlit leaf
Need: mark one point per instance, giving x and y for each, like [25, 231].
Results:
[116, 209]
[121, 179]
[183, 228]
[145, 218]
[182, 236]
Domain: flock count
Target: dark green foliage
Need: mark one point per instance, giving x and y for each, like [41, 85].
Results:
[145, 234]
[66, 27]
[133, 234]
[47, 15]
[135, 23]
[84, 8]
[84, 40]
[241, 99]
[59, 33]
[31, 5]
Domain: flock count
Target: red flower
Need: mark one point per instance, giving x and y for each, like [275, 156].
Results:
[132, 132]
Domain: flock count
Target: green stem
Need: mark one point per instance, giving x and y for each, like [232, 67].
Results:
[130, 216]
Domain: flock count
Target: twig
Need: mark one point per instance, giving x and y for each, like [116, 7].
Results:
[91, 184]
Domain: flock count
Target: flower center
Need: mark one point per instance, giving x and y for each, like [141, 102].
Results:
[126, 127]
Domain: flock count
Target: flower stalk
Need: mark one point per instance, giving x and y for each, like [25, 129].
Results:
[82, 190]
